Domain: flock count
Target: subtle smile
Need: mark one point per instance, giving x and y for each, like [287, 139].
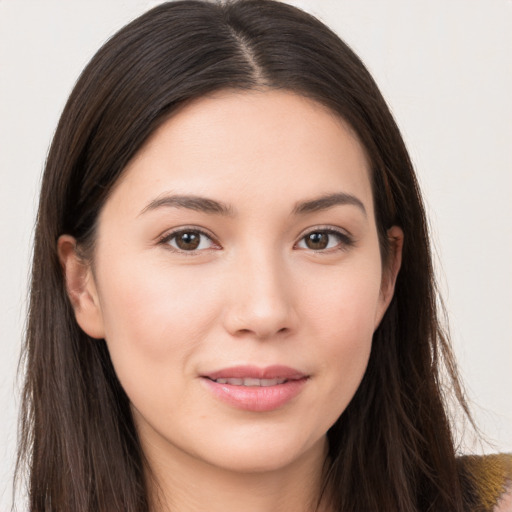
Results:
[256, 389]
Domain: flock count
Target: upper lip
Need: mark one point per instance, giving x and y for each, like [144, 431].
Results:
[255, 372]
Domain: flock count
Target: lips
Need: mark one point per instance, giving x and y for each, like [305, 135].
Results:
[256, 389]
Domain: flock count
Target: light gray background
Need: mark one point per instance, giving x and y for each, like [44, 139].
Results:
[445, 67]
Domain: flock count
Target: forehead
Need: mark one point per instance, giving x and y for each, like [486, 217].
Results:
[239, 145]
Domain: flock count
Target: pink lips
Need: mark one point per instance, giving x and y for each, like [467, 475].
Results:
[256, 398]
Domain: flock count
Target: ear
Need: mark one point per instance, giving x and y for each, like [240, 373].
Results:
[81, 288]
[390, 271]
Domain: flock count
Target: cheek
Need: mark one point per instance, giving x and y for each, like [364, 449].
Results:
[152, 322]
[155, 304]
[346, 302]
[342, 326]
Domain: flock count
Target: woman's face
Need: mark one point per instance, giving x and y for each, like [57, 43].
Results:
[238, 281]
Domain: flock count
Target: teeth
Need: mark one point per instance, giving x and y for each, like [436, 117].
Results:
[251, 382]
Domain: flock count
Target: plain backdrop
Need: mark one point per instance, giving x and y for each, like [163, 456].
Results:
[444, 66]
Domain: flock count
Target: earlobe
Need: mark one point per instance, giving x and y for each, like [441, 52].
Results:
[390, 272]
[80, 287]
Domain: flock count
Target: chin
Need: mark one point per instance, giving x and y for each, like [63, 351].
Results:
[263, 454]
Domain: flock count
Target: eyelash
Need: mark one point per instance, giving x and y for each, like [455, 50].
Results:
[166, 239]
[345, 241]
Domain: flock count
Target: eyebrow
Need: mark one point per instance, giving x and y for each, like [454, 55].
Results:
[328, 201]
[206, 205]
[197, 203]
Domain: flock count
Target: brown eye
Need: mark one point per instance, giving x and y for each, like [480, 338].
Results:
[325, 239]
[189, 240]
[317, 241]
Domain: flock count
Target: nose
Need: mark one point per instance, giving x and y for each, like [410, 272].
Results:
[261, 299]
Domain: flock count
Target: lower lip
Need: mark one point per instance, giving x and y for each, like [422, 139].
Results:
[256, 398]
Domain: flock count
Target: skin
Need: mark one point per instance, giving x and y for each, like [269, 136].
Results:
[253, 292]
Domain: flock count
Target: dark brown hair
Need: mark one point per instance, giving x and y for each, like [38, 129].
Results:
[392, 448]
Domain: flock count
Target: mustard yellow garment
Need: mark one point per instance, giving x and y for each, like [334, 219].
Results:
[485, 479]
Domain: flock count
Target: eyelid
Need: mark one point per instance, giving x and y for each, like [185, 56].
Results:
[346, 238]
[164, 238]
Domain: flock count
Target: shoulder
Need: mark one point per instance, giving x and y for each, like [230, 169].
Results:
[487, 481]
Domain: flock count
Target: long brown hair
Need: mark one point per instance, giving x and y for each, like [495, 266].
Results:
[392, 448]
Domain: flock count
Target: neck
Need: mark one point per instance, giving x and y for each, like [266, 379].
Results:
[180, 483]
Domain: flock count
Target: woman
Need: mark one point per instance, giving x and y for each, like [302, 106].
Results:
[232, 298]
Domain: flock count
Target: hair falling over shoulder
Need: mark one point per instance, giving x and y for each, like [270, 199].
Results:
[392, 449]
